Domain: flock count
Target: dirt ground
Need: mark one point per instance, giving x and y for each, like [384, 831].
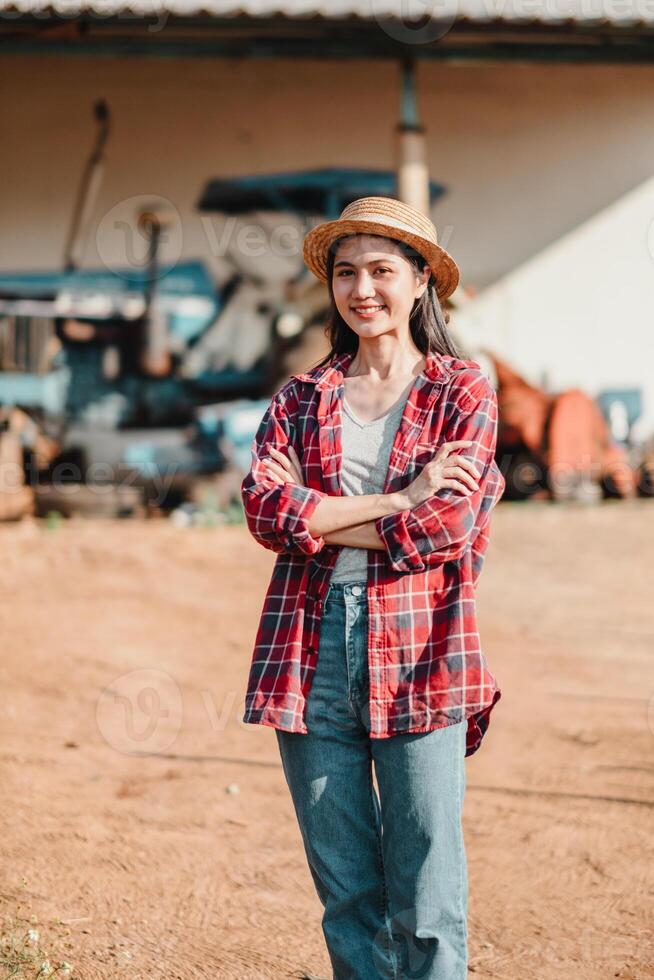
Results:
[141, 812]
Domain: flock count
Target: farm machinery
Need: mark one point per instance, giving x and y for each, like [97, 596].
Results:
[143, 379]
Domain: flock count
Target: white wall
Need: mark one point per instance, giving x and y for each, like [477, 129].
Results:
[580, 314]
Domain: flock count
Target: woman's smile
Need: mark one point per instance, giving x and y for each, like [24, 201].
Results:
[368, 311]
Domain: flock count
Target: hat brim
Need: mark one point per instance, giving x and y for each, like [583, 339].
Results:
[318, 241]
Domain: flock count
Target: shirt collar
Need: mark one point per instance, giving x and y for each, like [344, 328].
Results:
[439, 367]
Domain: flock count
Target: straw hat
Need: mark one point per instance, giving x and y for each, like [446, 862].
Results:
[392, 219]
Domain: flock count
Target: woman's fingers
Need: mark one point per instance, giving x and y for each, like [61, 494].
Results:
[466, 463]
[294, 470]
[276, 470]
[282, 467]
[455, 485]
[285, 464]
[448, 447]
[297, 464]
[458, 471]
[280, 458]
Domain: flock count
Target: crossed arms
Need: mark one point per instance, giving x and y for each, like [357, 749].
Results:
[291, 517]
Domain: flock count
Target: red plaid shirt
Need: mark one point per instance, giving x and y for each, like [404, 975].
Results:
[426, 666]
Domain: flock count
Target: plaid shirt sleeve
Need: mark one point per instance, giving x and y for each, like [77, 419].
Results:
[440, 528]
[277, 514]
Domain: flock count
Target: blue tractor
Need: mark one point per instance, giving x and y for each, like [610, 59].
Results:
[151, 373]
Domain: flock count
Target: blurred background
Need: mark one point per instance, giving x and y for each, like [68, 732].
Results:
[161, 164]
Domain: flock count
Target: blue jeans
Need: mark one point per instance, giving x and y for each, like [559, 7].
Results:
[390, 869]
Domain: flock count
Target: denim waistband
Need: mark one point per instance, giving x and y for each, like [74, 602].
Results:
[339, 591]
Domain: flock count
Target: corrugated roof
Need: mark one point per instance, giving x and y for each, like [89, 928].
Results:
[615, 12]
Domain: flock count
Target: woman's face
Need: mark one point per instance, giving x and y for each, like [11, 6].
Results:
[375, 285]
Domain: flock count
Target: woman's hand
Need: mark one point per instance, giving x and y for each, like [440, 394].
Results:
[444, 470]
[282, 468]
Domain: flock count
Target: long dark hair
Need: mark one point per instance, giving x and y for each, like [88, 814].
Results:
[427, 320]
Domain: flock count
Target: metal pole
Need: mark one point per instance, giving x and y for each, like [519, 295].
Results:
[410, 146]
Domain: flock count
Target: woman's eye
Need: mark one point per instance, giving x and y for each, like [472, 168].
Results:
[346, 272]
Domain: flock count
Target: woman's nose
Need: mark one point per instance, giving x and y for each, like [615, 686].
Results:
[363, 286]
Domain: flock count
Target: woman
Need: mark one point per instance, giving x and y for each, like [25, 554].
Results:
[373, 478]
